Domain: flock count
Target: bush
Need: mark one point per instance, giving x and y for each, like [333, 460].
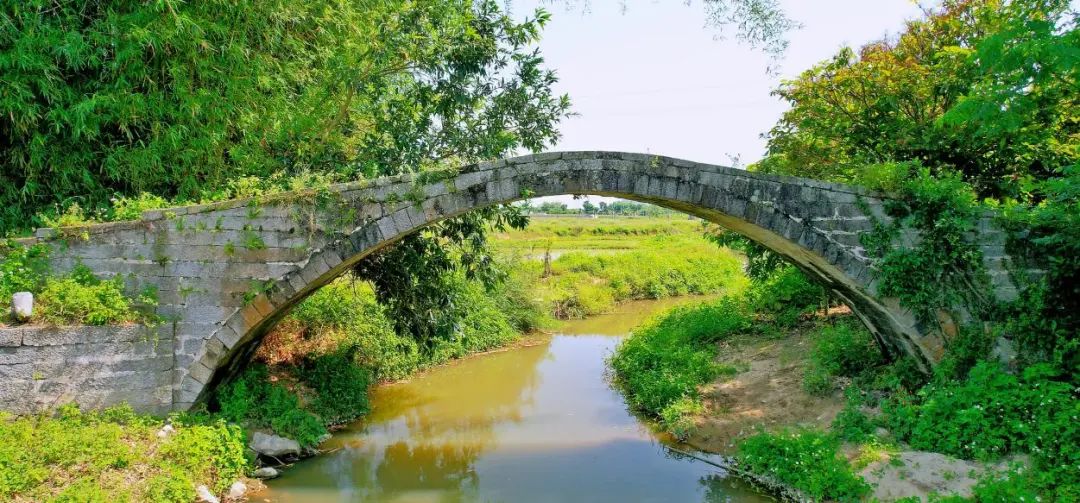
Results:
[818, 381]
[993, 413]
[804, 459]
[844, 349]
[78, 299]
[670, 356]
[114, 455]
[252, 400]
[785, 296]
[851, 424]
[340, 385]
[22, 269]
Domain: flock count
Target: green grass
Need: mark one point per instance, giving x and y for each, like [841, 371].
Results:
[115, 455]
[807, 460]
[606, 233]
[665, 360]
[657, 258]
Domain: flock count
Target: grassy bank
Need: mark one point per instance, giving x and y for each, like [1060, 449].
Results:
[972, 408]
[116, 455]
[662, 365]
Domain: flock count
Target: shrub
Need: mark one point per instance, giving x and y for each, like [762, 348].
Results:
[76, 299]
[851, 424]
[807, 460]
[785, 296]
[670, 356]
[252, 400]
[993, 413]
[340, 385]
[843, 349]
[22, 269]
[114, 455]
[132, 208]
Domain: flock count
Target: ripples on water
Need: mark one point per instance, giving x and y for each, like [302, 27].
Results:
[534, 424]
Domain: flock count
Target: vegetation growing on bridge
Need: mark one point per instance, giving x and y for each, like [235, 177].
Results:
[78, 297]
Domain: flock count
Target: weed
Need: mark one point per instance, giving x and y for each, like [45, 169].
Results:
[807, 460]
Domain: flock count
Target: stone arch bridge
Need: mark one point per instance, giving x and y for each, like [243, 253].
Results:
[226, 272]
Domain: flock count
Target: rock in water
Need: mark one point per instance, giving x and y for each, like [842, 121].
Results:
[265, 472]
[273, 445]
[236, 490]
[205, 495]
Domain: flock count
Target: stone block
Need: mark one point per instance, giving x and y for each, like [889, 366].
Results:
[11, 336]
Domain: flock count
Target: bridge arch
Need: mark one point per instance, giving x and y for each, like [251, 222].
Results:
[250, 261]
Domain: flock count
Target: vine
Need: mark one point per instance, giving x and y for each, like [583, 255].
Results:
[942, 269]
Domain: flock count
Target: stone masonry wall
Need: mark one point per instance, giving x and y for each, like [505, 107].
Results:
[43, 367]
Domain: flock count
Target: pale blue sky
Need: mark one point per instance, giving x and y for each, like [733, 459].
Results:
[653, 78]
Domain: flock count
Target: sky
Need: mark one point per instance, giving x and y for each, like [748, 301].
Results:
[649, 76]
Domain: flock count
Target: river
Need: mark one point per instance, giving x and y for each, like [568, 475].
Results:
[537, 423]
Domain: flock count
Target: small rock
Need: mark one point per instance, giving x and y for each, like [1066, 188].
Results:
[265, 472]
[273, 445]
[205, 495]
[165, 431]
[236, 490]
[22, 305]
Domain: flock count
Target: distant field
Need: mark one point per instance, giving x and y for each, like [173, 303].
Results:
[599, 262]
[606, 234]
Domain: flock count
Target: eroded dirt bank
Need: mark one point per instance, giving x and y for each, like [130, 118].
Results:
[767, 393]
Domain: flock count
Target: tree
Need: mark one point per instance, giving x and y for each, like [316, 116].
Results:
[588, 208]
[176, 98]
[915, 99]
[179, 99]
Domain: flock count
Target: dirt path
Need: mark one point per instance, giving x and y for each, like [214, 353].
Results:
[766, 392]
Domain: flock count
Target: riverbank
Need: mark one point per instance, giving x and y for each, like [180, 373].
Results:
[813, 405]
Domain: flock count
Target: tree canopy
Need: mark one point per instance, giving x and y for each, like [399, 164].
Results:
[169, 102]
[102, 99]
[972, 108]
[984, 87]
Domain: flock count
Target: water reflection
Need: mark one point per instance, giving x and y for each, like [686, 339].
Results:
[538, 423]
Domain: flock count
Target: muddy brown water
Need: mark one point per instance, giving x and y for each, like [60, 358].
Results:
[538, 423]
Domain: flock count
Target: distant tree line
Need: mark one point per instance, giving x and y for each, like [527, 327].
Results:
[620, 208]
